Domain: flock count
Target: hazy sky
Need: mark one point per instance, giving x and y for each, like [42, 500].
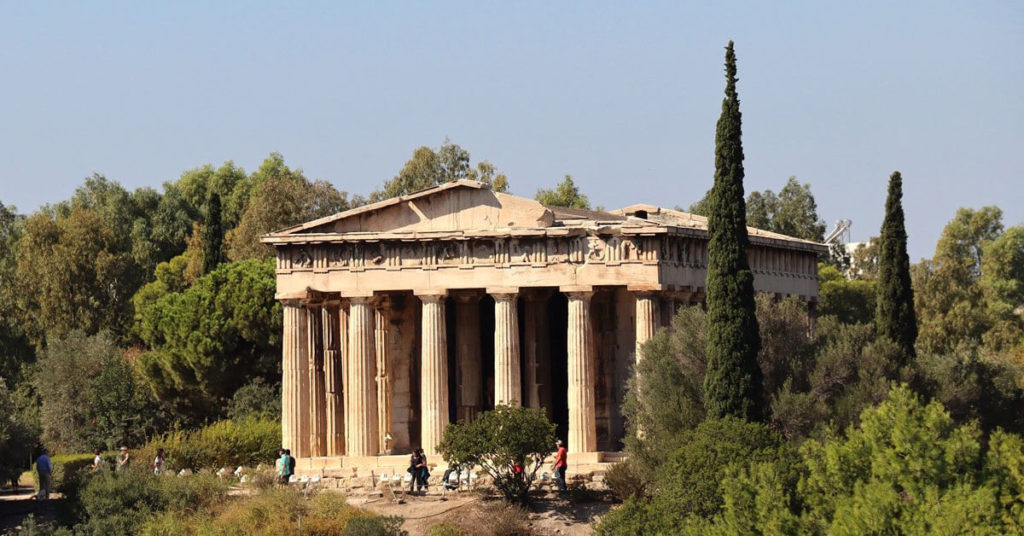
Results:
[622, 95]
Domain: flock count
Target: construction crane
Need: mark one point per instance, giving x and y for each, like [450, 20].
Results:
[841, 229]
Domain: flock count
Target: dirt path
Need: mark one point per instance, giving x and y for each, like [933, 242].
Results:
[546, 516]
[16, 505]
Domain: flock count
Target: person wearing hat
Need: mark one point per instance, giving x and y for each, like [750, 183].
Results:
[560, 465]
[123, 459]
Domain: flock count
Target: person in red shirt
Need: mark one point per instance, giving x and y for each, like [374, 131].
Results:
[560, 465]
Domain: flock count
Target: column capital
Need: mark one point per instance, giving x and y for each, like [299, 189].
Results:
[357, 294]
[290, 302]
[431, 296]
[505, 293]
[576, 289]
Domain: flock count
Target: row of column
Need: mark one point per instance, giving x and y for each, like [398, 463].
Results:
[335, 385]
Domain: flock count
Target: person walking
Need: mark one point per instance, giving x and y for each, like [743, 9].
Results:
[123, 459]
[44, 468]
[560, 464]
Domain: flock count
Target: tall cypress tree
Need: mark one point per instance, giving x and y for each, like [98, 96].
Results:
[732, 385]
[894, 312]
[213, 235]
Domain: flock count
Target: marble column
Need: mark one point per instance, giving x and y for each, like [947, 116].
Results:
[433, 371]
[537, 350]
[507, 380]
[582, 411]
[468, 376]
[317, 381]
[295, 380]
[361, 437]
[647, 319]
[383, 340]
[333, 363]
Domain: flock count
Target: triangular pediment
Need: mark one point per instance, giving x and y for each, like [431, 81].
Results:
[456, 206]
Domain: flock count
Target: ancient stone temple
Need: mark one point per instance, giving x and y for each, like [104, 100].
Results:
[403, 316]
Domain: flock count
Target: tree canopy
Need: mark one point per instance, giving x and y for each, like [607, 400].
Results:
[566, 194]
[430, 167]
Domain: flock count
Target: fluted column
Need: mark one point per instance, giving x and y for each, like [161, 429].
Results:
[537, 350]
[433, 371]
[361, 437]
[295, 380]
[333, 363]
[507, 380]
[383, 337]
[467, 355]
[647, 318]
[582, 413]
[317, 382]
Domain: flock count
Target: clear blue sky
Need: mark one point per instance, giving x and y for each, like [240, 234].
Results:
[622, 95]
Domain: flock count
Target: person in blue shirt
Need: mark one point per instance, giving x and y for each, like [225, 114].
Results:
[44, 469]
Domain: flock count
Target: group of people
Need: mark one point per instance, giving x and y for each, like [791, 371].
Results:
[285, 465]
[417, 467]
[123, 460]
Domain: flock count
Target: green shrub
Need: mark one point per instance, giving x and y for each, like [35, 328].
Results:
[375, 526]
[625, 481]
[115, 503]
[69, 469]
[498, 439]
[221, 444]
[445, 529]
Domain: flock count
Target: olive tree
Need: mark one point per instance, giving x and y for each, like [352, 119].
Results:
[499, 441]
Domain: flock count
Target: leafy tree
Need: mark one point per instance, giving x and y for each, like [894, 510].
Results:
[16, 439]
[257, 399]
[1002, 285]
[212, 338]
[949, 296]
[280, 197]
[894, 313]
[88, 393]
[430, 167]
[733, 382]
[566, 194]
[499, 439]
[213, 235]
[849, 300]
[864, 260]
[689, 483]
[15, 350]
[792, 212]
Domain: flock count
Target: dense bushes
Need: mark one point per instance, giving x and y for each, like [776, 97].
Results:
[222, 444]
[116, 503]
[906, 468]
[275, 512]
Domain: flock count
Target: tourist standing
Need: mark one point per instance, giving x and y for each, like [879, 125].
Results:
[44, 468]
[123, 459]
[423, 473]
[158, 462]
[291, 462]
[97, 460]
[414, 468]
[284, 466]
[560, 464]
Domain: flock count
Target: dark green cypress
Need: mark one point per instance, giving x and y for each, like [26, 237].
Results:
[732, 384]
[894, 312]
[213, 235]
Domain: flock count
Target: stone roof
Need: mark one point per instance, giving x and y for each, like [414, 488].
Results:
[470, 208]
